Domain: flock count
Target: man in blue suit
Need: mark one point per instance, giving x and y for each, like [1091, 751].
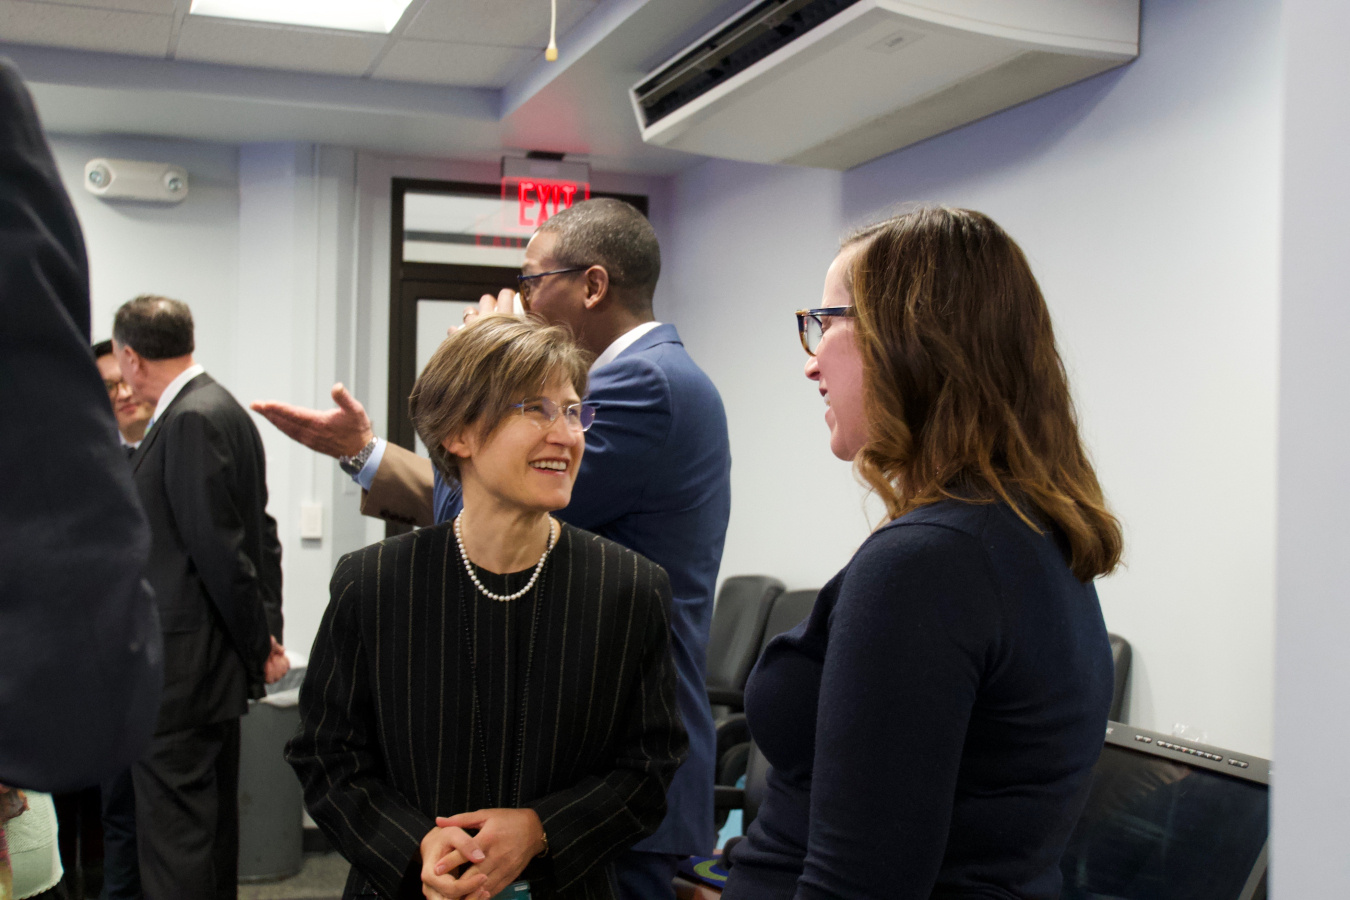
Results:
[655, 476]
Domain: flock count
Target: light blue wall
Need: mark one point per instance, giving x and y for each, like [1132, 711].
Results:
[1147, 200]
[1311, 813]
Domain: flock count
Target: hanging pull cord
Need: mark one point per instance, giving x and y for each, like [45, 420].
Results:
[551, 54]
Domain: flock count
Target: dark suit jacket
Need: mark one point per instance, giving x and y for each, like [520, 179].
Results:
[387, 737]
[656, 478]
[215, 562]
[79, 644]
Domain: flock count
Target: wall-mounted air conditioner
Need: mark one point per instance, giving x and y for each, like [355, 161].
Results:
[835, 83]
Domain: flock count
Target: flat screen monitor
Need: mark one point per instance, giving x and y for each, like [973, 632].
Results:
[1170, 820]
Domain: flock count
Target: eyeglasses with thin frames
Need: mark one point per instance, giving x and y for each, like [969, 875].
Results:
[544, 412]
[525, 283]
[811, 327]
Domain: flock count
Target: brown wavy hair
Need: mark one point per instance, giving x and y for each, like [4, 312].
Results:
[965, 391]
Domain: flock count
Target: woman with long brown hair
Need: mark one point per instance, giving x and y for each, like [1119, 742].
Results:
[932, 726]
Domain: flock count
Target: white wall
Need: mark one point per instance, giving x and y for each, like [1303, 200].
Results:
[1147, 201]
[188, 251]
[1311, 798]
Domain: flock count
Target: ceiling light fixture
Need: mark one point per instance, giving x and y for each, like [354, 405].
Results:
[377, 16]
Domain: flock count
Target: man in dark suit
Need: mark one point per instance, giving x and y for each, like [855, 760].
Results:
[215, 565]
[80, 662]
[655, 477]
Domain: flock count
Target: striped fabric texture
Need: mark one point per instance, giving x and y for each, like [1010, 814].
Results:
[390, 735]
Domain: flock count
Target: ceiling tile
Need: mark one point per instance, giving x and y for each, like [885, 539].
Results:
[465, 65]
[83, 28]
[162, 7]
[205, 39]
[519, 23]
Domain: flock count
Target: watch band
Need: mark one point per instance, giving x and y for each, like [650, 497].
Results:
[353, 465]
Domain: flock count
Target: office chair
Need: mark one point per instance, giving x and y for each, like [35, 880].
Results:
[735, 751]
[739, 614]
[1120, 657]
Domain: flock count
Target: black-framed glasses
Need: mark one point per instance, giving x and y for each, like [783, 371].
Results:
[810, 326]
[525, 283]
[544, 412]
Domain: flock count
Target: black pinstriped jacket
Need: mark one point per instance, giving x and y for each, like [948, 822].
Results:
[388, 738]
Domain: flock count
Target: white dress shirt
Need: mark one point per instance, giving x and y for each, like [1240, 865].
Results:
[622, 343]
[171, 391]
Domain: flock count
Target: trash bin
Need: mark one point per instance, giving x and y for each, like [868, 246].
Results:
[270, 802]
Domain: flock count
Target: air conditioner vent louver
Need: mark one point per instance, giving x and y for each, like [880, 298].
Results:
[752, 35]
[835, 83]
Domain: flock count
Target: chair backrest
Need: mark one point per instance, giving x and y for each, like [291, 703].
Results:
[789, 609]
[742, 608]
[1120, 656]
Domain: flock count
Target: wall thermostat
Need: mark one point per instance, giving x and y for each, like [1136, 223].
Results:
[129, 179]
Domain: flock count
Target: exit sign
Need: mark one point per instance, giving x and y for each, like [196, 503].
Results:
[538, 200]
[535, 190]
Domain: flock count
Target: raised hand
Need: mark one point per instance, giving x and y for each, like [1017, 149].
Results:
[504, 302]
[509, 837]
[341, 431]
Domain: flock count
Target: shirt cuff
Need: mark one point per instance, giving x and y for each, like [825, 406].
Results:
[366, 477]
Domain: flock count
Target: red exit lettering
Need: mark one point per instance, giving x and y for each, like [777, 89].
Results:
[558, 195]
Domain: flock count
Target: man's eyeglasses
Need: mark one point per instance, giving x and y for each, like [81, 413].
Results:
[525, 283]
[810, 324]
[114, 387]
[544, 412]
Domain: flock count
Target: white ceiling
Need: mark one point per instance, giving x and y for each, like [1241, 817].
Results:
[429, 44]
[461, 79]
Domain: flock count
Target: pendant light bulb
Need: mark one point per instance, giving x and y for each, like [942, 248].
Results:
[551, 54]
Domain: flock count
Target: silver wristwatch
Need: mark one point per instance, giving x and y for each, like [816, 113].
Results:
[353, 465]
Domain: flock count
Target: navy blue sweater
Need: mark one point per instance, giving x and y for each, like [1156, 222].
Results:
[933, 724]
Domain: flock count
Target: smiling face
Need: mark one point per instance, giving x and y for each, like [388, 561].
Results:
[131, 415]
[524, 464]
[837, 366]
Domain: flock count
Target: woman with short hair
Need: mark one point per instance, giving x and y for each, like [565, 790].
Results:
[932, 726]
[503, 673]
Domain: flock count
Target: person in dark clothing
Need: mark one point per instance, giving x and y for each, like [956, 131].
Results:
[933, 724]
[80, 651]
[501, 672]
[215, 566]
[132, 415]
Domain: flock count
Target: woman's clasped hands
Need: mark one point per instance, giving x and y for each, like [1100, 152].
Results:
[457, 865]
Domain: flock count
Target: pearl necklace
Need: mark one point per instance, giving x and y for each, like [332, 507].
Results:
[539, 567]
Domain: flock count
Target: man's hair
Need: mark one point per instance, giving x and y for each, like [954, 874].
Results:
[155, 327]
[478, 372]
[102, 349]
[612, 234]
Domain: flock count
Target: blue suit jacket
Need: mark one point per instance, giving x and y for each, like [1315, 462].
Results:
[656, 478]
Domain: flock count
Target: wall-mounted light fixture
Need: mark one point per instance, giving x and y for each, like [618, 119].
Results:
[129, 179]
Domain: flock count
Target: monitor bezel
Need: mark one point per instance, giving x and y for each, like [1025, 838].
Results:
[1192, 753]
[1155, 743]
